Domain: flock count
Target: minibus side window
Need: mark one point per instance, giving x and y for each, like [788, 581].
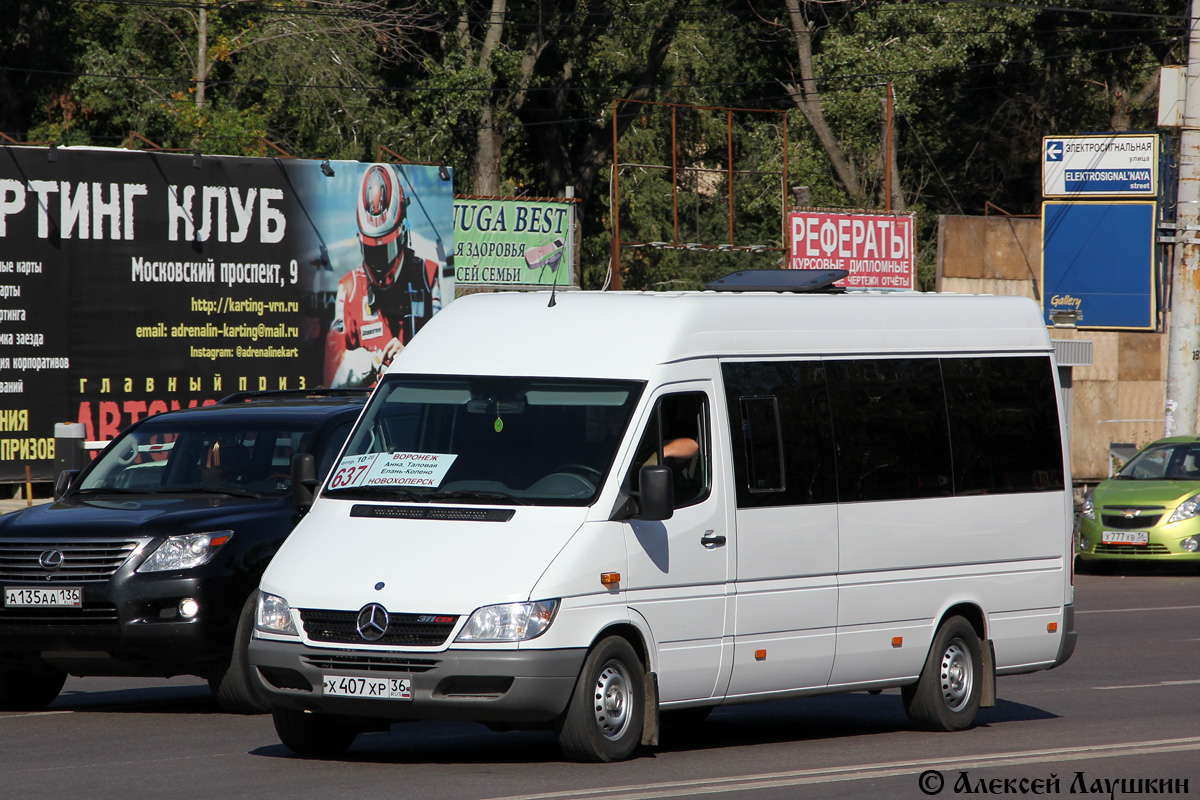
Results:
[889, 422]
[764, 445]
[797, 428]
[677, 435]
[1003, 424]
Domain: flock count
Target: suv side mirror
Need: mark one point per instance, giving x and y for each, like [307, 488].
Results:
[304, 480]
[656, 500]
[64, 481]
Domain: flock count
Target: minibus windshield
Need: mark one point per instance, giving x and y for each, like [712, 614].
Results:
[470, 439]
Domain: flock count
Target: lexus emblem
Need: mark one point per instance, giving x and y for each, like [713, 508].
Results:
[51, 559]
[372, 622]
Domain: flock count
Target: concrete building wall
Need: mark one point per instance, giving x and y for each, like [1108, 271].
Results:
[1121, 396]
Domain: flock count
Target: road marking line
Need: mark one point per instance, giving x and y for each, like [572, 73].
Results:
[1137, 610]
[857, 772]
[1147, 685]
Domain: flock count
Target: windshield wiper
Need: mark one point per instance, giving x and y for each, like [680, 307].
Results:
[468, 494]
[108, 490]
[388, 492]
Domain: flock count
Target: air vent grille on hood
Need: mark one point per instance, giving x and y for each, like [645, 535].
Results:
[433, 512]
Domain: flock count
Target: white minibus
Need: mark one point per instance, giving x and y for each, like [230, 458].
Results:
[582, 511]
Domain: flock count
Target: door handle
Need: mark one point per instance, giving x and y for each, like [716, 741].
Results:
[711, 540]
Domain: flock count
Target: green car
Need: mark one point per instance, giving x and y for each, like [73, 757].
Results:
[1149, 511]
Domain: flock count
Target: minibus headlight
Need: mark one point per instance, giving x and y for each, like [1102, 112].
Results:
[510, 622]
[1187, 509]
[1089, 507]
[185, 551]
[274, 615]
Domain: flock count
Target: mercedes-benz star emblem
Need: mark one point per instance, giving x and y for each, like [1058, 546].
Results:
[372, 622]
[51, 559]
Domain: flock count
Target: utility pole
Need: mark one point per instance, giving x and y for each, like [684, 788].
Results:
[1183, 358]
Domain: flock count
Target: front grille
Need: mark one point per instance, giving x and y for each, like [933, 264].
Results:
[1153, 549]
[91, 615]
[1119, 522]
[403, 630]
[371, 664]
[83, 560]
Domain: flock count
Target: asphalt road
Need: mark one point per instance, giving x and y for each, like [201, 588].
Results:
[1126, 707]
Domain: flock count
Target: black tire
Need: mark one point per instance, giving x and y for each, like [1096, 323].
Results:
[603, 721]
[26, 690]
[232, 684]
[946, 696]
[313, 735]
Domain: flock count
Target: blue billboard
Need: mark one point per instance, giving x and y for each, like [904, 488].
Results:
[1099, 264]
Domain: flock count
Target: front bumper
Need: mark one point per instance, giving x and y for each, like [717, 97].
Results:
[514, 686]
[128, 625]
[1163, 545]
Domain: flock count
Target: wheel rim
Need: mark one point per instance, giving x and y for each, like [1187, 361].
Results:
[957, 676]
[612, 698]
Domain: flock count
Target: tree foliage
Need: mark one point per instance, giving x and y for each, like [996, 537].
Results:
[519, 96]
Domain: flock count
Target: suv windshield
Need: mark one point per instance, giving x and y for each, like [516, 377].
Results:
[1170, 461]
[541, 441]
[175, 455]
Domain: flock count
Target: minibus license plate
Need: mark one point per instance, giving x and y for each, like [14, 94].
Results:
[58, 597]
[1125, 537]
[370, 688]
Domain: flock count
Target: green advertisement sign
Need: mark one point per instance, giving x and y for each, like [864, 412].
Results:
[513, 242]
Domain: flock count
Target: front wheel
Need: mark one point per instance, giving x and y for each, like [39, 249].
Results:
[313, 735]
[29, 691]
[946, 696]
[232, 684]
[603, 721]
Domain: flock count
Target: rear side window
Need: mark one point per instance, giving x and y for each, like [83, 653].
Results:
[1003, 424]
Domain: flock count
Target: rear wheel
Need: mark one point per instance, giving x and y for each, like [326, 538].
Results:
[22, 690]
[313, 735]
[603, 721]
[232, 684]
[946, 696]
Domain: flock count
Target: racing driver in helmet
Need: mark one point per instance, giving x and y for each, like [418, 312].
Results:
[382, 303]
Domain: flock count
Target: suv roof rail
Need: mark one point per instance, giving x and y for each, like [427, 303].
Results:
[780, 280]
[276, 394]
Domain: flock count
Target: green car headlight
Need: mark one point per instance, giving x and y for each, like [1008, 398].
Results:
[1187, 509]
[1089, 507]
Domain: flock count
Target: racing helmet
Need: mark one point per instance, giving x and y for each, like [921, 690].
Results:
[382, 225]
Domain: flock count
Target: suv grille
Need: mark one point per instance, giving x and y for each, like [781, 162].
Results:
[403, 630]
[83, 560]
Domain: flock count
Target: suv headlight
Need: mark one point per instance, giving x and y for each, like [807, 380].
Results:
[185, 551]
[510, 622]
[1186, 510]
[274, 615]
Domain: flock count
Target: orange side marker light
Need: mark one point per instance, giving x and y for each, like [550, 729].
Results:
[610, 578]
[897, 641]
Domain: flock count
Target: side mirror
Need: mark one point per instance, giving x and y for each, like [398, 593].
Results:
[304, 480]
[64, 481]
[656, 500]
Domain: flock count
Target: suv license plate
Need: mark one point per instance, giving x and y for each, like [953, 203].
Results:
[1125, 537]
[58, 597]
[370, 688]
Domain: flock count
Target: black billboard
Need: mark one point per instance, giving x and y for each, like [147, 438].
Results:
[135, 282]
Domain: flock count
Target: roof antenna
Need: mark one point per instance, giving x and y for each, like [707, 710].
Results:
[553, 288]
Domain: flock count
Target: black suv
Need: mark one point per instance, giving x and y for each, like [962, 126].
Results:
[148, 562]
